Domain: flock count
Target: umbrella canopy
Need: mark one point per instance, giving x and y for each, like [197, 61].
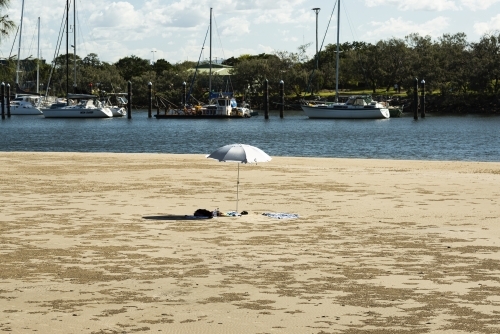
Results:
[239, 153]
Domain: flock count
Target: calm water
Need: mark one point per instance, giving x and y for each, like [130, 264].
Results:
[466, 138]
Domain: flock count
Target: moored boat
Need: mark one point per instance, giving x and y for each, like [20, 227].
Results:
[356, 107]
[80, 106]
[116, 102]
[25, 105]
[223, 106]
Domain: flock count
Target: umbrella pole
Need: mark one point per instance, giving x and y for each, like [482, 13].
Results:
[237, 187]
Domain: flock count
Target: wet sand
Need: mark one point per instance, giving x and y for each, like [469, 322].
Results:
[105, 243]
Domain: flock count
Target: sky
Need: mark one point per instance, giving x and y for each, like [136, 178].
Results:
[175, 30]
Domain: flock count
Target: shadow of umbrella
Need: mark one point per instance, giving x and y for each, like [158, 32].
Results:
[173, 217]
[242, 154]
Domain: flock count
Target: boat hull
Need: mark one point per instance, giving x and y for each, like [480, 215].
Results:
[345, 113]
[77, 113]
[200, 116]
[20, 110]
[118, 111]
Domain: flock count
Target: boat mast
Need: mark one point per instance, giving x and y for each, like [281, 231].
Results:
[210, 61]
[74, 46]
[67, 52]
[38, 60]
[337, 60]
[19, 49]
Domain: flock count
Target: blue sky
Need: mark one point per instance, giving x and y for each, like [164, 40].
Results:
[175, 30]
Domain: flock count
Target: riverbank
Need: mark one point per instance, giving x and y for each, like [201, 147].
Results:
[105, 243]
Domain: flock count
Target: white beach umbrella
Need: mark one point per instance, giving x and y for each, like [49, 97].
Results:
[239, 153]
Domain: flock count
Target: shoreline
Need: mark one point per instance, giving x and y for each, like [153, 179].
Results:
[202, 156]
[105, 242]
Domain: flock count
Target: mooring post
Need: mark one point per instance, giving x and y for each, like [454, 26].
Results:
[422, 104]
[8, 100]
[2, 96]
[415, 99]
[282, 96]
[129, 103]
[150, 99]
[184, 94]
[266, 99]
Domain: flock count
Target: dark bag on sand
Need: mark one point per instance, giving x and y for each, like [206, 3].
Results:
[203, 213]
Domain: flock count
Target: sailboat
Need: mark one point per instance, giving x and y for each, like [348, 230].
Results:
[356, 107]
[221, 105]
[24, 104]
[77, 105]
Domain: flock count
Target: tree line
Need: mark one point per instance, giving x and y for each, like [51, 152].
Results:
[450, 66]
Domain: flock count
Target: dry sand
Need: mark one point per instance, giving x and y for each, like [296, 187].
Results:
[99, 243]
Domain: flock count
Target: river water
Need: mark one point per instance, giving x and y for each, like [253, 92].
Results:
[460, 138]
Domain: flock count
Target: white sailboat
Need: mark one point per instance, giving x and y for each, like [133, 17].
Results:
[356, 107]
[24, 104]
[77, 105]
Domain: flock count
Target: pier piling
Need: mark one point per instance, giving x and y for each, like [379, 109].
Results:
[422, 104]
[266, 99]
[184, 94]
[2, 96]
[129, 103]
[150, 99]
[282, 98]
[415, 99]
[8, 100]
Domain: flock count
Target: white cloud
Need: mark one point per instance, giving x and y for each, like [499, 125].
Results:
[234, 26]
[493, 24]
[399, 28]
[425, 5]
[476, 5]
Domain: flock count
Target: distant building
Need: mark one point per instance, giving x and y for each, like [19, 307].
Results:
[221, 70]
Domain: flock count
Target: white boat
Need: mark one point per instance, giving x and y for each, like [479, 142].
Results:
[116, 103]
[356, 107]
[117, 111]
[25, 105]
[80, 106]
[76, 105]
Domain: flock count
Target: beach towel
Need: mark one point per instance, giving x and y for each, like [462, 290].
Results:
[281, 215]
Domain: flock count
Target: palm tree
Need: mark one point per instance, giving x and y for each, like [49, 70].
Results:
[6, 25]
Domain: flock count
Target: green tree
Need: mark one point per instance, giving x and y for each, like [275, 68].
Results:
[423, 62]
[133, 66]
[91, 60]
[455, 63]
[161, 65]
[6, 25]
[486, 64]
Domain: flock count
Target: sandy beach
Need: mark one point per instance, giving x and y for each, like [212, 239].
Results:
[106, 243]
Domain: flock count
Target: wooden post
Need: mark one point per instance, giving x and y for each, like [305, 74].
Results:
[415, 99]
[184, 94]
[422, 104]
[8, 100]
[2, 96]
[150, 98]
[129, 103]
[266, 99]
[282, 97]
